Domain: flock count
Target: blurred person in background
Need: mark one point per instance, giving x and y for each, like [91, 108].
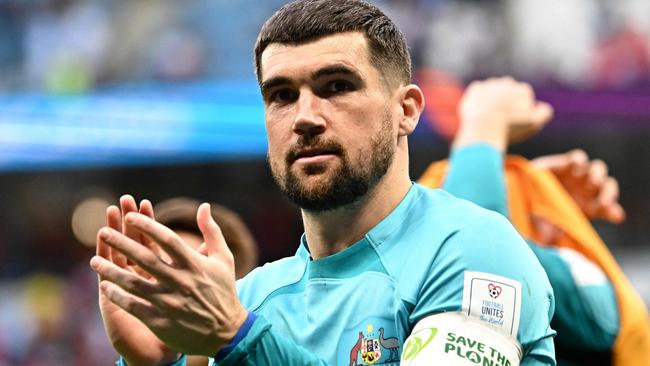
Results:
[65, 43]
[53, 323]
[599, 318]
[179, 214]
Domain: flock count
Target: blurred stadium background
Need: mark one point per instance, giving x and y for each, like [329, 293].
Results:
[158, 99]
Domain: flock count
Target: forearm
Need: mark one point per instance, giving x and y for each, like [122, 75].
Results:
[476, 174]
[586, 314]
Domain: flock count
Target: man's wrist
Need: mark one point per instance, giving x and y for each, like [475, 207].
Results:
[178, 359]
[473, 131]
[239, 336]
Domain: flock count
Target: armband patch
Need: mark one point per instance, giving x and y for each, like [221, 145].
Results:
[494, 300]
[454, 339]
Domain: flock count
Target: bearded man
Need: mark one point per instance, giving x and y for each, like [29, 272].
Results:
[381, 259]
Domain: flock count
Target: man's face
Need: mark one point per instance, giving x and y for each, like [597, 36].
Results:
[331, 132]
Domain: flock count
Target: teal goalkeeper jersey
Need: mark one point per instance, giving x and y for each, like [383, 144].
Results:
[434, 253]
[357, 307]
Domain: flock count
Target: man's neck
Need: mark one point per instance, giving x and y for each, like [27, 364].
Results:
[330, 232]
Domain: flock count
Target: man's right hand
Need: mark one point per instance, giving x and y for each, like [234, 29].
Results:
[128, 335]
[500, 111]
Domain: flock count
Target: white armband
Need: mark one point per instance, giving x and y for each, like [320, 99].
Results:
[455, 339]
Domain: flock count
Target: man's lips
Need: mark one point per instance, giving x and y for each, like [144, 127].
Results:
[314, 158]
[313, 155]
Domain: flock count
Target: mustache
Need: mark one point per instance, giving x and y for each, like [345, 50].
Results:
[312, 147]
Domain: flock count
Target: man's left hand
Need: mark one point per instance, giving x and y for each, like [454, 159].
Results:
[190, 301]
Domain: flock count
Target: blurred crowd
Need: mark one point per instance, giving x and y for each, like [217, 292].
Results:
[74, 46]
[47, 319]
[48, 311]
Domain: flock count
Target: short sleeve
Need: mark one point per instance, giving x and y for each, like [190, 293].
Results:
[487, 270]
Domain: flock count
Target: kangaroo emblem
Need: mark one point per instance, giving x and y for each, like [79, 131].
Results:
[354, 353]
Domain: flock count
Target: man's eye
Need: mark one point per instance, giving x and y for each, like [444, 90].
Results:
[283, 96]
[339, 86]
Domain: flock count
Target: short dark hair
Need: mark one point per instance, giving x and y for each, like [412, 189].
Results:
[302, 21]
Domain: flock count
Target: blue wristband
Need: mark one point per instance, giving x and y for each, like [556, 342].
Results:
[182, 359]
[241, 334]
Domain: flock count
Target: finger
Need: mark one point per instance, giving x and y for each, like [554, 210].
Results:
[102, 249]
[597, 175]
[114, 221]
[616, 214]
[146, 208]
[127, 204]
[127, 280]
[214, 240]
[137, 253]
[608, 200]
[133, 305]
[166, 239]
[578, 162]
[561, 163]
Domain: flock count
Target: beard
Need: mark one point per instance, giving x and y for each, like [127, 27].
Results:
[348, 183]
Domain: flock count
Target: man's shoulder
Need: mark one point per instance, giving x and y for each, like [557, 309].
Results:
[437, 201]
[255, 287]
[436, 212]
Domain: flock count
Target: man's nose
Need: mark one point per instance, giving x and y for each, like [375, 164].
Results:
[309, 118]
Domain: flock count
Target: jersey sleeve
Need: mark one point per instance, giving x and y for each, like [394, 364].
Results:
[264, 347]
[260, 347]
[182, 361]
[476, 174]
[486, 270]
[586, 315]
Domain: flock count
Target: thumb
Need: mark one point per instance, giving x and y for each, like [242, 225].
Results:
[214, 240]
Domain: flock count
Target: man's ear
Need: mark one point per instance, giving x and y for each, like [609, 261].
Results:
[412, 104]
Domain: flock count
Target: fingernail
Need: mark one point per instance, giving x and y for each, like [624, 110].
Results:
[104, 233]
[94, 262]
[104, 286]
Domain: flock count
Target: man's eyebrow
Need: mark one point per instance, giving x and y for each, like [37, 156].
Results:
[273, 82]
[322, 72]
[333, 70]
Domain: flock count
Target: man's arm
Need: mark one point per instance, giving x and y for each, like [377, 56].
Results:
[187, 298]
[586, 313]
[486, 271]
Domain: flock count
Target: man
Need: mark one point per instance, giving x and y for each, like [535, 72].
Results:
[381, 257]
[599, 318]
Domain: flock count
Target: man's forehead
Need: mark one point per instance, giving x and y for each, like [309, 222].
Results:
[350, 48]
